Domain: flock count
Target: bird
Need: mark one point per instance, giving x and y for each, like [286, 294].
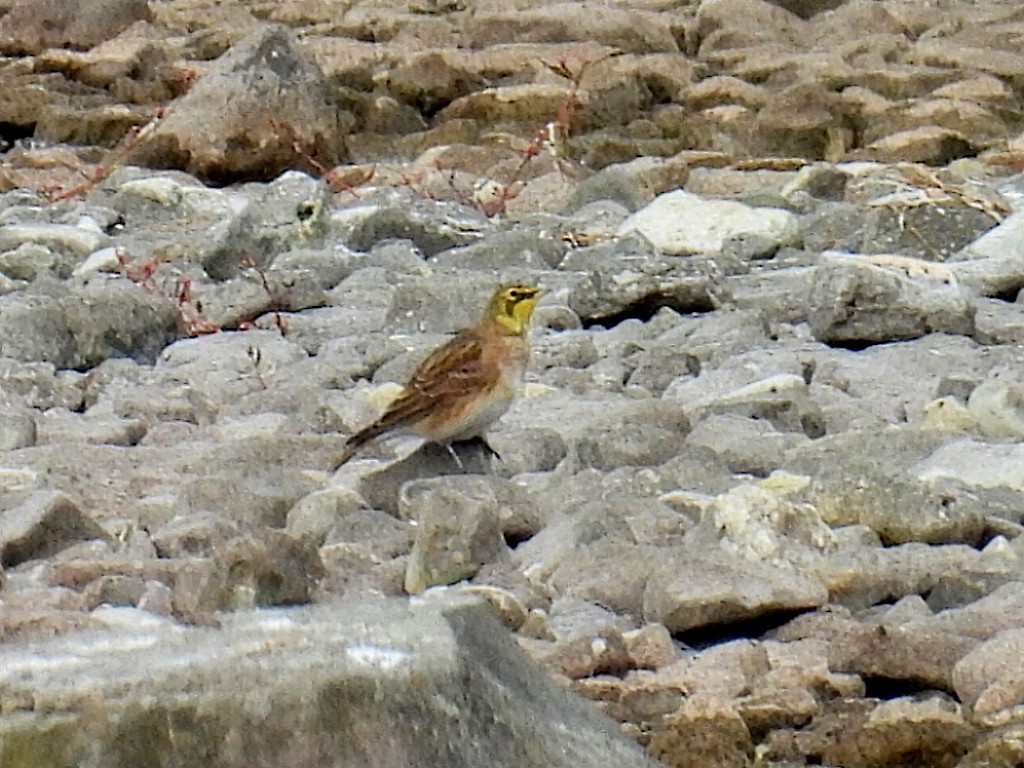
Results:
[466, 384]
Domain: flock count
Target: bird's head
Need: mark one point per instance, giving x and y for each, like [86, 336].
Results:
[512, 307]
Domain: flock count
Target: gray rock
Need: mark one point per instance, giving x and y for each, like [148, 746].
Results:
[901, 509]
[45, 523]
[143, 198]
[914, 649]
[291, 212]
[607, 434]
[314, 516]
[116, 319]
[861, 301]
[990, 679]
[762, 524]
[628, 278]
[608, 184]
[975, 464]
[301, 664]
[860, 577]
[61, 426]
[458, 530]
[35, 330]
[31, 260]
[279, 102]
[991, 265]
[433, 227]
[88, 324]
[782, 400]
[502, 251]
[896, 224]
[31, 27]
[747, 446]
[267, 300]
[997, 322]
[376, 534]
[683, 223]
[693, 589]
[221, 367]
[200, 534]
[998, 405]
[988, 616]
[40, 385]
[17, 427]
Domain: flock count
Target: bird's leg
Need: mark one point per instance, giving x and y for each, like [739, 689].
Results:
[458, 461]
[488, 450]
[482, 449]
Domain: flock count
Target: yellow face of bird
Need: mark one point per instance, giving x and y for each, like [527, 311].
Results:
[512, 306]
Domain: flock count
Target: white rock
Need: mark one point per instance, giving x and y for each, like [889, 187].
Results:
[680, 222]
[971, 462]
[998, 406]
[103, 260]
[63, 237]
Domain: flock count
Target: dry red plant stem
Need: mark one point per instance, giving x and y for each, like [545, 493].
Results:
[190, 315]
[114, 159]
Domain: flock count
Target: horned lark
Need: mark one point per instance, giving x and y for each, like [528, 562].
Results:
[465, 385]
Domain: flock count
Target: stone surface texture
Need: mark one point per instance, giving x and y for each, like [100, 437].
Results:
[760, 500]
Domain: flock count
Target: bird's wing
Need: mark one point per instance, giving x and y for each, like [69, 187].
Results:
[451, 371]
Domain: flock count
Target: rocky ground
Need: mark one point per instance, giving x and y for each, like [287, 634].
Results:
[762, 499]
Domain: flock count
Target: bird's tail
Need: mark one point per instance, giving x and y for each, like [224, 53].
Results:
[357, 441]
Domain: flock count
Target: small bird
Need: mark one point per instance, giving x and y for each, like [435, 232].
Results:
[465, 385]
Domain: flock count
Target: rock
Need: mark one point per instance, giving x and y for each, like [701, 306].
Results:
[651, 647]
[975, 464]
[932, 726]
[291, 212]
[906, 510]
[264, 568]
[999, 748]
[59, 426]
[867, 300]
[726, 24]
[916, 650]
[998, 406]
[747, 446]
[82, 328]
[633, 31]
[43, 524]
[62, 243]
[17, 427]
[782, 400]
[703, 731]
[456, 533]
[930, 145]
[963, 117]
[683, 223]
[456, 651]
[117, 319]
[804, 119]
[862, 576]
[991, 263]
[887, 225]
[29, 27]
[630, 279]
[432, 227]
[989, 679]
[313, 516]
[687, 592]
[280, 103]
[621, 432]
[760, 524]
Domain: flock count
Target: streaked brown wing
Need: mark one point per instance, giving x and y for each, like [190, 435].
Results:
[449, 372]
